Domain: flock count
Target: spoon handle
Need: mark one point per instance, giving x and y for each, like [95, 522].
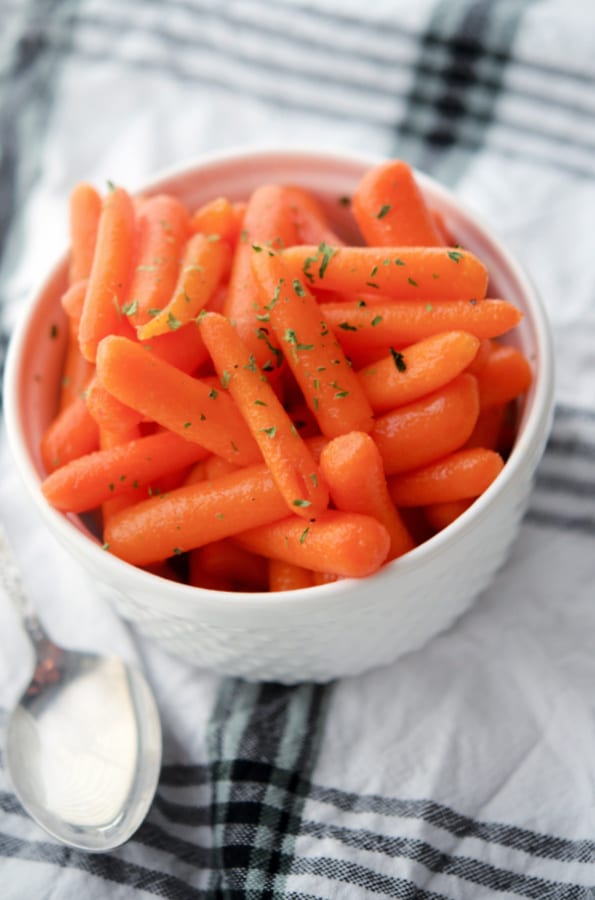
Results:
[10, 580]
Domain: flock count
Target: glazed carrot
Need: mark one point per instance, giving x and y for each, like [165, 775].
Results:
[109, 412]
[504, 377]
[459, 476]
[285, 576]
[73, 300]
[107, 440]
[76, 370]
[267, 224]
[481, 357]
[347, 544]
[310, 218]
[194, 515]
[71, 434]
[488, 428]
[400, 324]
[425, 430]
[390, 209]
[196, 473]
[84, 212]
[353, 469]
[225, 559]
[110, 272]
[162, 230]
[85, 483]
[179, 402]
[218, 218]
[216, 466]
[418, 369]
[289, 459]
[331, 388]
[204, 264]
[440, 515]
[404, 273]
[183, 348]
[197, 577]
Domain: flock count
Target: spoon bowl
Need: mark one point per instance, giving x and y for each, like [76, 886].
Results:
[83, 744]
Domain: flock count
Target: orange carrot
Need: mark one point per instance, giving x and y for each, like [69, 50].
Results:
[425, 430]
[203, 266]
[488, 428]
[404, 273]
[183, 348]
[216, 466]
[481, 357]
[353, 468]
[226, 560]
[504, 377]
[109, 412]
[107, 440]
[76, 370]
[110, 272]
[85, 483]
[418, 370]
[73, 300]
[218, 218]
[291, 463]
[310, 218]
[162, 229]
[459, 476]
[267, 224]
[179, 402]
[440, 515]
[331, 388]
[194, 515]
[71, 434]
[285, 576]
[361, 329]
[390, 209]
[84, 212]
[347, 544]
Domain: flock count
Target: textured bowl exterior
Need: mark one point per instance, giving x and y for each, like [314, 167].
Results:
[336, 629]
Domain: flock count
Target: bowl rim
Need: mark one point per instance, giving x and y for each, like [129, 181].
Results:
[531, 439]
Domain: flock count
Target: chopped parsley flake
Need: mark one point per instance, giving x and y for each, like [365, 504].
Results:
[304, 534]
[297, 286]
[172, 322]
[454, 255]
[412, 282]
[376, 321]
[272, 431]
[383, 211]
[301, 503]
[347, 327]
[129, 309]
[398, 360]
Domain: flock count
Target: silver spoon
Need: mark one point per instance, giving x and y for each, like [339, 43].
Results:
[83, 744]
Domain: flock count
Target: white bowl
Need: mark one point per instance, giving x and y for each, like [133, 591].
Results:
[337, 629]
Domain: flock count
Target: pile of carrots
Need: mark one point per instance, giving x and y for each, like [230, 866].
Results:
[249, 402]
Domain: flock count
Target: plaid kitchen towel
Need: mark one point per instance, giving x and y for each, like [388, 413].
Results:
[466, 769]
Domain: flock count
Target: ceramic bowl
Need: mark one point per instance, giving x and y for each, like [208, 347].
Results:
[332, 630]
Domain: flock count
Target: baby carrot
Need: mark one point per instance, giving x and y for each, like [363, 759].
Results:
[268, 224]
[218, 218]
[161, 233]
[85, 483]
[71, 434]
[423, 431]
[331, 388]
[289, 459]
[418, 369]
[203, 266]
[310, 218]
[73, 300]
[488, 428]
[404, 273]
[481, 357]
[179, 402]
[76, 370]
[84, 212]
[194, 515]
[440, 515]
[183, 348]
[353, 468]
[107, 440]
[110, 272]
[346, 544]
[390, 209]
[504, 377]
[361, 329]
[286, 576]
[459, 476]
[225, 559]
[109, 412]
